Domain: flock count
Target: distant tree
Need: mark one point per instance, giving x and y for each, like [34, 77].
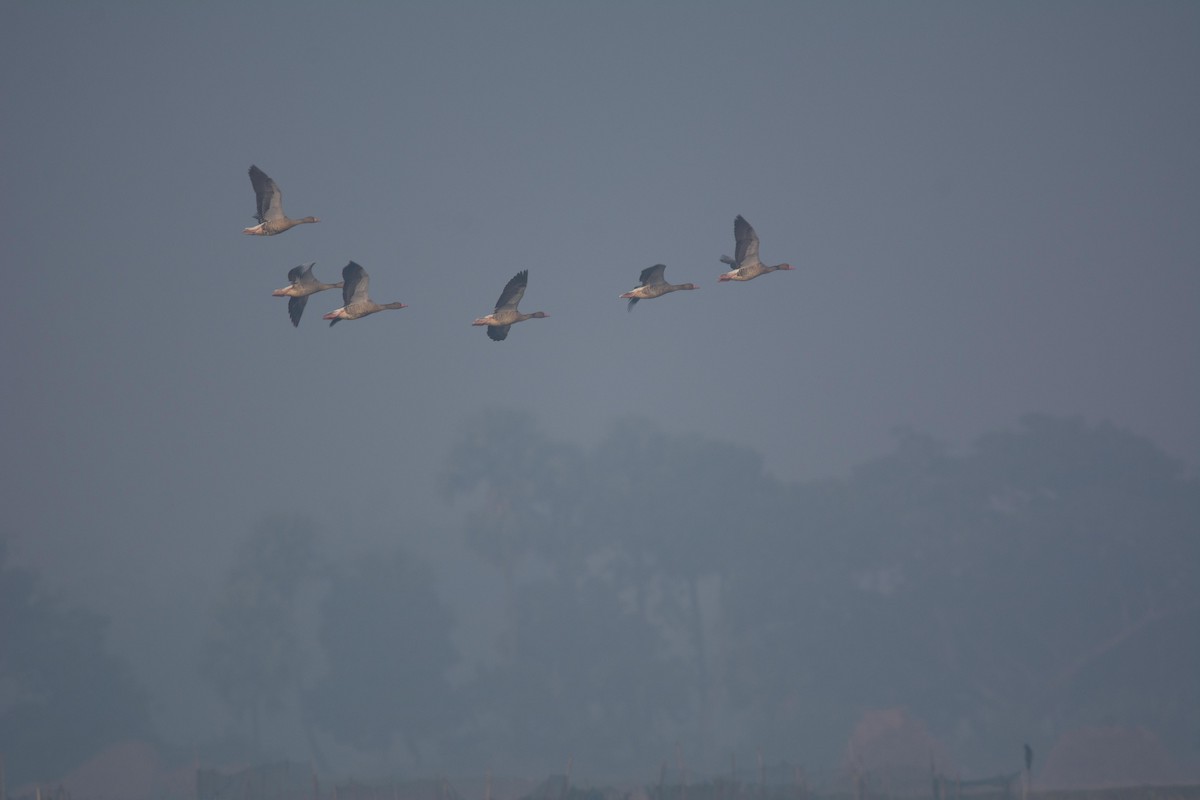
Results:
[252, 653]
[62, 694]
[994, 592]
[386, 636]
[1091, 553]
[674, 511]
[525, 489]
[673, 504]
[594, 680]
[633, 533]
[1014, 587]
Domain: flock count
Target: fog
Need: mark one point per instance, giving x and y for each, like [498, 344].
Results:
[947, 464]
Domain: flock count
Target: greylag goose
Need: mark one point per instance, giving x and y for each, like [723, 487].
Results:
[354, 296]
[270, 216]
[746, 265]
[506, 313]
[653, 284]
[302, 285]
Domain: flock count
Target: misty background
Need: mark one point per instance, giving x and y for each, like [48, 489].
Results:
[948, 464]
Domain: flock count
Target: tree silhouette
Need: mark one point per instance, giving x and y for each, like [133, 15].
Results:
[992, 592]
[524, 488]
[676, 510]
[1011, 587]
[253, 654]
[386, 637]
[63, 694]
[593, 680]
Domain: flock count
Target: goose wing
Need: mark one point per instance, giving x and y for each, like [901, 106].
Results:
[653, 275]
[302, 274]
[296, 309]
[267, 195]
[354, 284]
[747, 242]
[497, 333]
[514, 290]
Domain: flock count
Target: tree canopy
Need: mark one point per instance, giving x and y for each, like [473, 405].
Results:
[62, 693]
[1001, 593]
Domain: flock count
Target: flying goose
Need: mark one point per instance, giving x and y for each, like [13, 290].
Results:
[354, 296]
[653, 284]
[302, 285]
[270, 216]
[746, 265]
[506, 313]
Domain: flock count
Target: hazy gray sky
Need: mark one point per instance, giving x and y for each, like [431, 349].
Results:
[992, 209]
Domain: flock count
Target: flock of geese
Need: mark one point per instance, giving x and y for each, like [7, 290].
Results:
[356, 303]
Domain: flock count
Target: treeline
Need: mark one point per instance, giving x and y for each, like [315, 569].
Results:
[665, 591]
[661, 595]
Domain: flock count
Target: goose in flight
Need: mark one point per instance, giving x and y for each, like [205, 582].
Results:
[506, 313]
[354, 297]
[745, 263]
[302, 285]
[653, 284]
[270, 216]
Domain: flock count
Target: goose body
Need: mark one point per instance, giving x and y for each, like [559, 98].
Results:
[506, 313]
[745, 263]
[652, 285]
[302, 284]
[269, 200]
[354, 297]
